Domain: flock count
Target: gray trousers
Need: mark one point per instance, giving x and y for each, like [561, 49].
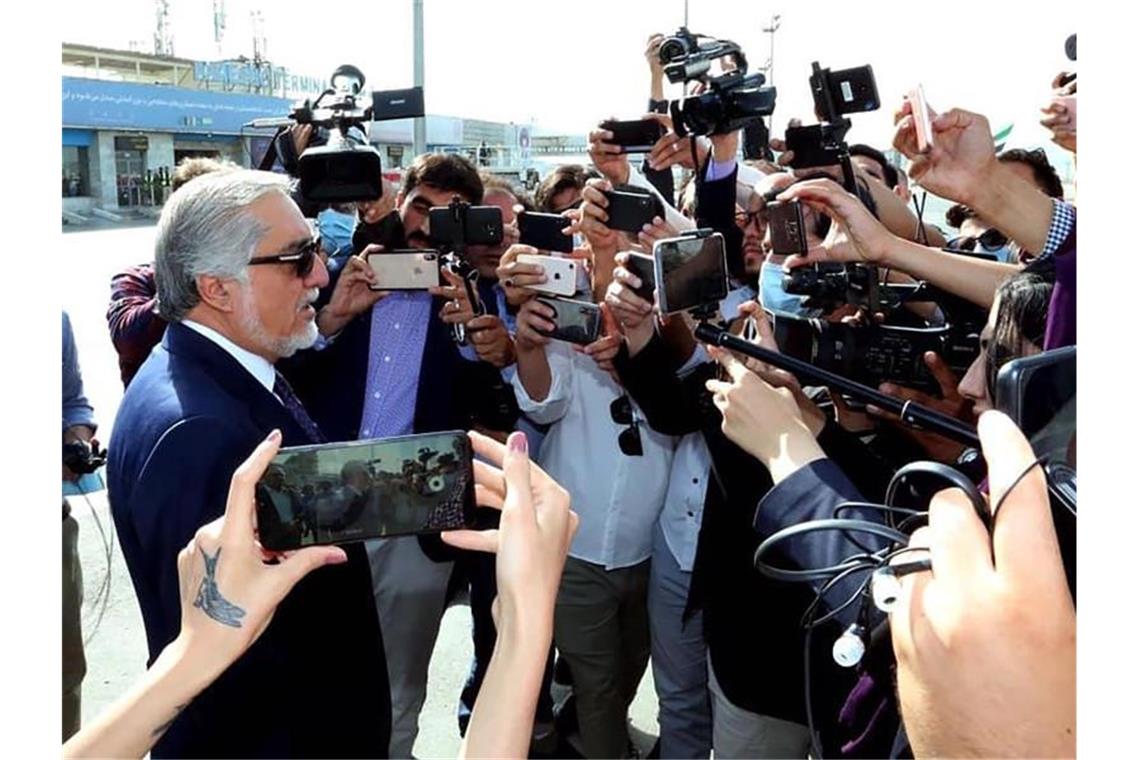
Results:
[679, 651]
[74, 662]
[740, 733]
[601, 627]
[410, 592]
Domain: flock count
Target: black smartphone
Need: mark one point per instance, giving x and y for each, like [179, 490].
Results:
[1039, 393]
[341, 493]
[643, 267]
[477, 225]
[575, 321]
[854, 90]
[786, 224]
[637, 136]
[544, 231]
[691, 271]
[806, 144]
[631, 208]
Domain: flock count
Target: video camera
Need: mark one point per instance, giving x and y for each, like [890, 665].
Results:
[733, 100]
[340, 165]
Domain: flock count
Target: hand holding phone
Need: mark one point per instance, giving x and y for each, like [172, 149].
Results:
[561, 274]
[340, 493]
[574, 321]
[637, 136]
[923, 131]
[631, 208]
[544, 231]
[405, 270]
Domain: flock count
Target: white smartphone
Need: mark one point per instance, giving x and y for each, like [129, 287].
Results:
[405, 270]
[561, 274]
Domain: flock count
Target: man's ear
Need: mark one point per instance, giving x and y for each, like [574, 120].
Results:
[399, 199]
[217, 292]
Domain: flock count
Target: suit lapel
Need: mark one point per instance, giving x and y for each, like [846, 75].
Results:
[266, 411]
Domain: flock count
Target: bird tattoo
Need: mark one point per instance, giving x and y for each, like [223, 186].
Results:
[211, 601]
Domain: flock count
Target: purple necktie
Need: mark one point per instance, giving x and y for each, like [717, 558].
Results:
[296, 410]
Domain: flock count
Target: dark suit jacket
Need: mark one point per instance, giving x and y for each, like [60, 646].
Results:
[190, 416]
[751, 623]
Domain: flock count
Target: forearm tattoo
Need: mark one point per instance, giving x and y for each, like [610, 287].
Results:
[211, 601]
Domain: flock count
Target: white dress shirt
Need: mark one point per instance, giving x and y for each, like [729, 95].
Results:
[258, 366]
[618, 498]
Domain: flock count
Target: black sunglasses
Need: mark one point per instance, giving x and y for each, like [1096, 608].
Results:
[303, 259]
[744, 219]
[629, 440]
[990, 240]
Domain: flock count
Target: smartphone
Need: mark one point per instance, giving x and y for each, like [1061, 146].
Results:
[854, 90]
[637, 136]
[575, 321]
[1039, 393]
[690, 271]
[642, 265]
[341, 493]
[561, 274]
[544, 231]
[923, 132]
[631, 208]
[786, 224]
[807, 146]
[405, 270]
[477, 225]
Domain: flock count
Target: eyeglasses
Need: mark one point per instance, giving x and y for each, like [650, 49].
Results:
[744, 219]
[303, 259]
[990, 240]
[629, 440]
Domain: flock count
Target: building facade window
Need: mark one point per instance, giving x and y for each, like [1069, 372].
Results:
[76, 181]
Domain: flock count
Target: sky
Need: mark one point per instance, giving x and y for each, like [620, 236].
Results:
[563, 66]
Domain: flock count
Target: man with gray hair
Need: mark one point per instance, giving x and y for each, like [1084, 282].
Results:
[237, 273]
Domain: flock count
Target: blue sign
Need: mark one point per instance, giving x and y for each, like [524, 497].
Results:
[97, 104]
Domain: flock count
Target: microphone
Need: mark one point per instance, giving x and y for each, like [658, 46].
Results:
[274, 123]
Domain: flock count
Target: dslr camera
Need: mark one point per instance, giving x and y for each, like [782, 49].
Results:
[340, 165]
[734, 99]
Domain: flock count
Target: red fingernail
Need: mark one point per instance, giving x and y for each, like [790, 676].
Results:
[517, 442]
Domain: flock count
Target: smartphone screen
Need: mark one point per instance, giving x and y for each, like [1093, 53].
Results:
[691, 272]
[340, 493]
[577, 322]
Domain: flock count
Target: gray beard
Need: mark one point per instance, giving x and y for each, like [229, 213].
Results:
[281, 348]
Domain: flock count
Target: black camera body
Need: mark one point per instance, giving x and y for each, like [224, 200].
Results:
[340, 165]
[732, 101]
[874, 354]
[82, 458]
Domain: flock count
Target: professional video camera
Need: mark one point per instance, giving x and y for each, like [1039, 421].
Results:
[733, 100]
[835, 94]
[340, 165]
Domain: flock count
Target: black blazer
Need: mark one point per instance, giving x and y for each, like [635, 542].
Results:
[189, 418]
[751, 623]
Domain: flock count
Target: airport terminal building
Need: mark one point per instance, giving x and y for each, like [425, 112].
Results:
[129, 118]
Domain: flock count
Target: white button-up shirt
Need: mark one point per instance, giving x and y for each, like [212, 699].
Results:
[618, 498]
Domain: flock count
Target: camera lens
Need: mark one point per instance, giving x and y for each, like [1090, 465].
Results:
[671, 48]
